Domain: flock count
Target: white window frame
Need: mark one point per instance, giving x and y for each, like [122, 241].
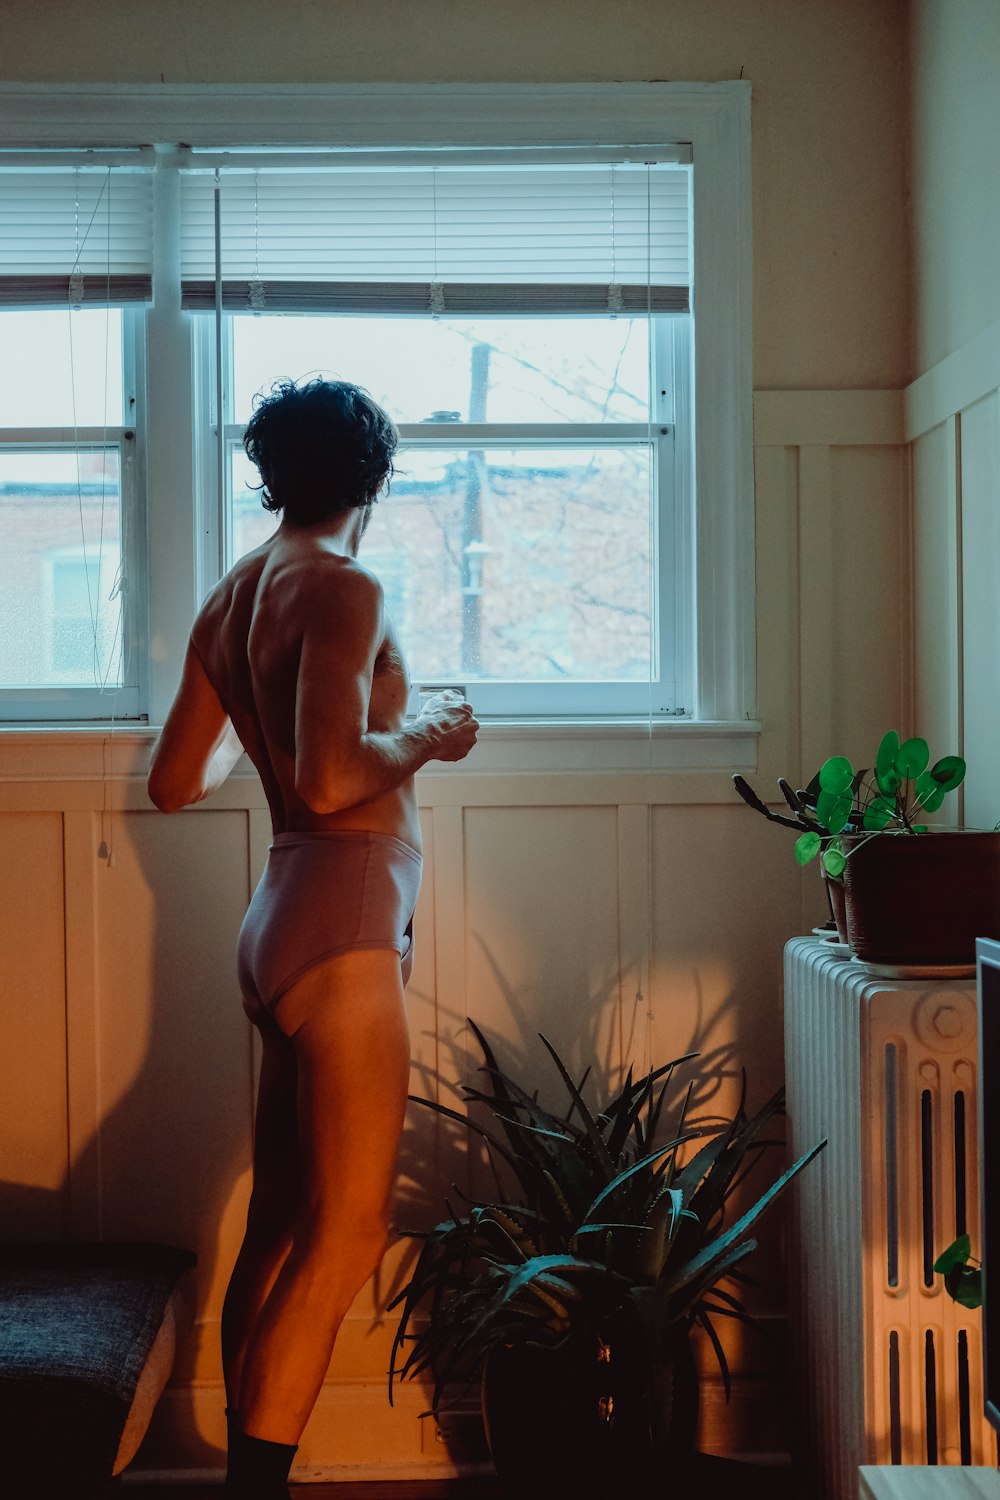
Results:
[69, 702]
[713, 118]
[670, 687]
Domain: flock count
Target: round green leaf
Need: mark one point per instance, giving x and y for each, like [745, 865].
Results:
[919, 827]
[834, 862]
[833, 809]
[911, 758]
[879, 812]
[807, 847]
[949, 772]
[957, 1254]
[885, 764]
[836, 774]
[929, 793]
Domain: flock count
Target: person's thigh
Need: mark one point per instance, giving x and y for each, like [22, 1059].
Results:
[346, 1020]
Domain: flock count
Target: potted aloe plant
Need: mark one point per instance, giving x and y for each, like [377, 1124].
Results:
[911, 895]
[571, 1294]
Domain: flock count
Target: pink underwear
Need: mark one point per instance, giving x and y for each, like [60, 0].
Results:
[323, 894]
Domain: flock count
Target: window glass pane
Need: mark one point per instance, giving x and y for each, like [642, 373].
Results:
[61, 368]
[60, 612]
[515, 564]
[484, 369]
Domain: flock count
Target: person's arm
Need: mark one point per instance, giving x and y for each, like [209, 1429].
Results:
[339, 761]
[198, 746]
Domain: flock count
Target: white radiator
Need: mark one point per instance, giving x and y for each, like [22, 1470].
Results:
[887, 1367]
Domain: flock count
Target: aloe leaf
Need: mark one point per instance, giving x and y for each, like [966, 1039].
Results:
[626, 1117]
[836, 775]
[949, 772]
[640, 1166]
[710, 1196]
[662, 1223]
[569, 1217]
[711, 1253]
[706, 1323]
[590, 1125]
[886, 774]
[454, 1114]
[807, 847]
[671, 1165]
[735, 1305]
[911, 758]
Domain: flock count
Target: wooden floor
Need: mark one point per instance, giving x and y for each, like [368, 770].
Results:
[715, 1479]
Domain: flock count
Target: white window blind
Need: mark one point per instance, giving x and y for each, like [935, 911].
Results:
[75, 235]
[575, 237]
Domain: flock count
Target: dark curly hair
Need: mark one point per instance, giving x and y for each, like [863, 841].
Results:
[319, 448]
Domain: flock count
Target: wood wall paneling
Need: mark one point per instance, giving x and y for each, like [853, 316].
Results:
[980, 477]
[175, 1062]
[937, 591]
[34, 1199]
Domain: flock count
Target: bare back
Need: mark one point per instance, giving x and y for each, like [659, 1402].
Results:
[249, 636]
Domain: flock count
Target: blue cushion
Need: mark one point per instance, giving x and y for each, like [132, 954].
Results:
[77, 1322]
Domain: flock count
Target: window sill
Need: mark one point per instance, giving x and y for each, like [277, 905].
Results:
[66, 752]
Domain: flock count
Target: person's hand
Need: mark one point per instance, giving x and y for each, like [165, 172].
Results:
[452, 724]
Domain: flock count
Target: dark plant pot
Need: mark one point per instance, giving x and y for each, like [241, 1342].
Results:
[579, 1420]
[838, 905]
[924, 899]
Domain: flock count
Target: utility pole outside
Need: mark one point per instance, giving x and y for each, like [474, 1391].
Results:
[473, 547]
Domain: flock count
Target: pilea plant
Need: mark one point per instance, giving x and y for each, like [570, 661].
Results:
[840, 803]
[963, 1275]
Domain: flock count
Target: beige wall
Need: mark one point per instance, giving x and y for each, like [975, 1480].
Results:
[829, 116]
[953, 407]
[956, 202]
[549, 901]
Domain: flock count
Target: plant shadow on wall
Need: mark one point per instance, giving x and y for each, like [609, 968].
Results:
[449, 1153]
[569, 1290]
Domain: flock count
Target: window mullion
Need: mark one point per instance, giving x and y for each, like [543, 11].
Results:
[171, 473]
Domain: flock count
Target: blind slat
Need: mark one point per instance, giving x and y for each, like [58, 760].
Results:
[456, 298]
[588, 227]
[92, 291]
[90, 223]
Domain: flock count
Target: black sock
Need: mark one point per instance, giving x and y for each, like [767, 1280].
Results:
[256, 1469]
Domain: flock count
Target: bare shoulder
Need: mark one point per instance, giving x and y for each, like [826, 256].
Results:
[340, 589]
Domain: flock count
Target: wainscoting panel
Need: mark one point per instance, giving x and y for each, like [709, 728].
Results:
[174, 1054]
[34, 1200]
[980, 451]
[937, 600]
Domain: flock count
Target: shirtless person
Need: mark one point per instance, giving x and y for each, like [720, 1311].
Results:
[293, 658]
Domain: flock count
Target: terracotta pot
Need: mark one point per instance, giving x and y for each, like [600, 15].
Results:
[923, 899]
[579, 1419]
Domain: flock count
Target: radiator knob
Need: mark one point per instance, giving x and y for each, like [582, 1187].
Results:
[945, 1021]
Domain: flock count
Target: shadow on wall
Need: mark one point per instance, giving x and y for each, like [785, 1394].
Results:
[419, 1202]
[173, 1066]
